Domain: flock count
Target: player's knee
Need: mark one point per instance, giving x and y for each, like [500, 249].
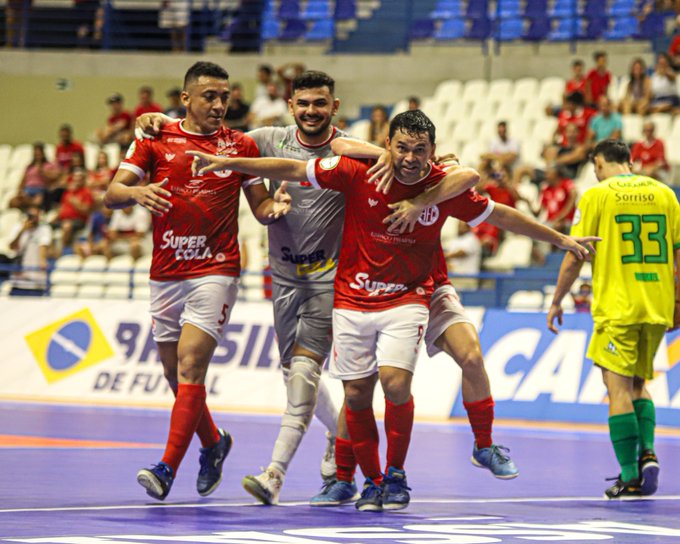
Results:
[397, 387]
[358, 394]
[472, 361]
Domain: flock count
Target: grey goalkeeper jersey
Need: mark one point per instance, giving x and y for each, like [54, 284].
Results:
[304, 245]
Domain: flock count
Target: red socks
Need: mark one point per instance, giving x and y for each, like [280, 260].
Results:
[206, 430]
[398, 427]
[480, 414]
[345, 461]
[363, 432]
[186, 413]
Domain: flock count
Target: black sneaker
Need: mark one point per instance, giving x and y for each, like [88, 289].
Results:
[629, 490]
[649, 472]
[211, 461]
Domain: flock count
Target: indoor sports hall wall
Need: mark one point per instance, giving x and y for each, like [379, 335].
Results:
[102, 352]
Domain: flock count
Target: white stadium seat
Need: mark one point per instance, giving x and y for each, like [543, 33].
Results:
[522, 301]
[551, 91]
[500, 90]
[448, 91]
[525, 90]
[515, 251]
[632, 127]
[474, 91]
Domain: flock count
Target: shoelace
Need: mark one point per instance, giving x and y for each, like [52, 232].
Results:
[327, 484]
[387, 480]
[496, 452]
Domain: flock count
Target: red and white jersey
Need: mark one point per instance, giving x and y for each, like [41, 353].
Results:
[440, 272]
[377, 269]
[199, 235]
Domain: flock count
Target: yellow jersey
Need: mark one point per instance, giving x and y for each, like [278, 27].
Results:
[633, 272]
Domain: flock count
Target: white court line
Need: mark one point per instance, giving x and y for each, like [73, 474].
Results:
[512, 500]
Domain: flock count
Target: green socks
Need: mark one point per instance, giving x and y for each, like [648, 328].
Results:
[646, 416]
[625, 435]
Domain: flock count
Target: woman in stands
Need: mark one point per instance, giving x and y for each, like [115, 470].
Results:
[664, 93]
[638, 91]
[38, 177]
[379, 127]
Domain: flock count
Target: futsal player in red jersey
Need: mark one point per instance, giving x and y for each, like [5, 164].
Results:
[384, 284]
[195, 264]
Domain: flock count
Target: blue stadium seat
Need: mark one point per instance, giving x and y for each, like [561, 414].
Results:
[270, 29]
[317, 9]
[566, 29]
[594, 28]
[538, 29]
[509, 29]
[623, 28]
[345, 9]
[480, 29]
[421, 29]
[294, 30]
[446, 9]
[654, 25]
[289, 9]
[451, 29]
[322, 29]
[564, 8]
[535, 9]
[507, 9]
[477, 9]
[594, 8]
[621, 8]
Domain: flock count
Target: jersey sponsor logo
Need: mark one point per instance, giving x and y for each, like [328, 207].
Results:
[175, 140]
[577, 217]
[69, 345]
[131, 150]
[187, 248]
[329, 162]
[429, 216]
[301, 258]
[169, 156]
[315, 268]
[611, 348]
[372, 202]
[306, 203]
[636, 198]
[362, 282]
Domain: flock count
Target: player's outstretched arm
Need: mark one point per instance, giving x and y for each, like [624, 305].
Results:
[569, 272]
[676, 309]
[149, 125]
[405, 213]
[507, 218]
[266, 208]
[381, 173]
[284, 169]
[123, 192]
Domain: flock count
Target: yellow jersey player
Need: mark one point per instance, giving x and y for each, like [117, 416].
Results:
[635, 300]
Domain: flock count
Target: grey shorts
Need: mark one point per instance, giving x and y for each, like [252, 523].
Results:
[303, 317]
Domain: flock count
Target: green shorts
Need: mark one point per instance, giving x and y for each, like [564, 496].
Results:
[627, 350]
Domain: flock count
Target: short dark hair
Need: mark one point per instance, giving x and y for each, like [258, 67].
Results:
[266, 69]
[202, 68]
[67, 127]
[599, 54]
[414, 99]
[612, 151]
[576, 98]
[312, 79]
[577, 62]
[502, 124]
[413, 122]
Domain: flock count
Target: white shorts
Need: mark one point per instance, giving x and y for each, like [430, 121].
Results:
[204, 302]
[445, 310]
[365, 341]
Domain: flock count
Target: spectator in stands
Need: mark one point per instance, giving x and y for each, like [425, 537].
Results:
[238, 111]
[31, 240]
[413, 103]
[89, 14]
[598, 79]
[287, 74]
[76, 205]
[674, 47]
[464, 256]
[664, 93]
[575, 112]
[126, 232]
[269, 110]
[67, 147]
[174, 16]
[175, 108]
[146, 103]
[606, 124]
[638, 91]
[16, 21]
[489, 235]
[119, 125]
[503, 149]
[99, 178]
[342, 123]
[570, 153]
[379, 127]
[497, 183]
[40, 174]
[649, 155]
[583, 297]
[265, 76]
[577, 83]
[557, 199]
[97, 226]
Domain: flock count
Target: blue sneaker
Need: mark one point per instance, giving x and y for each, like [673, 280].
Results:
[371, 497]
[157, 480]
[395, 491]
[334, 493]
[494, 458]
[211, 460]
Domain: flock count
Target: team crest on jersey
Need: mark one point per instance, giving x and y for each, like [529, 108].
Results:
[429, 216]
[329, 162]
[169, 156]
[131, 149]
[372, 202]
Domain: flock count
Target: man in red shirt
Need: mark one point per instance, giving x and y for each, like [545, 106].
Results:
[76, 206]
[384, 282]
[578, 79]
[195, 263]
[67, 147]
[649, 155]
[598, 79]
[146, 103]
[118, 128]
[558, 200]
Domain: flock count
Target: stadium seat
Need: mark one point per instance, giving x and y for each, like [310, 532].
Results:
[632, 128]
[91, 290]
[359, 129]
[119, 270]
[622, 28]
[448, 91]
[5, 153]
[477, 9]
[474, 90]
[479, 29]
[622, 8]
[421, 29]
[538, 29]
[471, 151]
[289, 9]
[664, 126]
[345, 10]
[433, 109]
[522, 301]
[465, 129]
[450, 29]
[525, 89]
[316, 9]
[564, 9]
[515, 251]
[535, 9]
[544, 129]
[594, 28]
[482, 110]
[564, 29]
[500, 90]
[594, 8]
[21, 157]
[509, 30]
[510, 111]
[322, 29]
[487, 131]
[508, 9]
[270, 29]
[117, 292]
[293, 30]
[550, 92]
[447, 9]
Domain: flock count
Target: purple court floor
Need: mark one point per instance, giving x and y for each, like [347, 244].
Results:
[68, 476]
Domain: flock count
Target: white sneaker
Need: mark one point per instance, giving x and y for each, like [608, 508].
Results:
[328, 466]
[266, 486]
